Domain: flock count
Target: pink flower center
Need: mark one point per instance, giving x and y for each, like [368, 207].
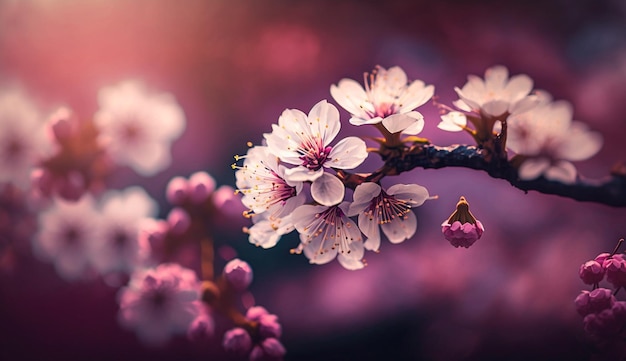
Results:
[314, 154]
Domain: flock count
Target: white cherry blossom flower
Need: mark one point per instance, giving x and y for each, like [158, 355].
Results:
[388, 210]
[327, 233]
[262, 181]
[23, 139]
[137, 128]
[304, 141]
[549, 139]
[388, 98]
[65, 232]
[497, 94]
[118, 247]
[160, 302]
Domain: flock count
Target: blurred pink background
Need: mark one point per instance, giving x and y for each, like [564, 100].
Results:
[235, 65]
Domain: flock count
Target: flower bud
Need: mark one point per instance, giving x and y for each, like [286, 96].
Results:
[269, 326]
[595, 301]
[177, 191]
[591, 272]
[238, 274]
[201, 185]
[72, 186]
[62, 125]
[237, 341]
[202, 327]
[179, 221]
[254, 313]
[462, 229]
[615, 268]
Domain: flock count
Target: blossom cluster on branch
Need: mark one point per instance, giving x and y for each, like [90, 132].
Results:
[297, 179]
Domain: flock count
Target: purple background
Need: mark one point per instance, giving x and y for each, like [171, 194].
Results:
[234, 66]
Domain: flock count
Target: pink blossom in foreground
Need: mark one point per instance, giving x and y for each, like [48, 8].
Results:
[160, 302]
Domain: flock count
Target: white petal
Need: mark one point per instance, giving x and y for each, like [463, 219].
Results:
[369, 227]
[328, 190]
[302, 174]
[400, 228]
[518, 87]
[496, 77]
[453, 122]
[263, 234]
[415, 194]
[362, 196]
[398, 122]
[415, 95]
[532, 168]
[459, 103]
[363, 121]
[417, 126]
[323, 121]
[352, 97]
[562, 171]
[350, 263]
[349, 153]
[579, 143]
[495, 107]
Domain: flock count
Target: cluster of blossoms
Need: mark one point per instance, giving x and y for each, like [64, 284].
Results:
[54, 175]
[604, 317]
[299, 164]
[506, 115]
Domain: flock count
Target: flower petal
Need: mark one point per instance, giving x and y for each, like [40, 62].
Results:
[349, 153]
[328, 190]
[323, 121]
[532, 168]
[362, 196]
[415, 194]
[453, 122]
[351, 96]
[563, 171]
[400, 228]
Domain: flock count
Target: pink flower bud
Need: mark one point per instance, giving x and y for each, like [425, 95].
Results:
[462, 229]
[201, 185]
[602, 324]
[177, 191]
[202, 327]
[595, 301]
[255, 313]
[591, 272]
[269, 349]
[269, 326]
[43, 181]
[62, 125]
[179, 221]
[238, 273]
[462, 235]
[615, 268]
[601, 257]
[72, 186]
[237, 341]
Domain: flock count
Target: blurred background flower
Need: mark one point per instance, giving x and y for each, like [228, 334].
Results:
[233, 67]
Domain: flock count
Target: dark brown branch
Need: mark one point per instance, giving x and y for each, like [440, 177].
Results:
[610, 190]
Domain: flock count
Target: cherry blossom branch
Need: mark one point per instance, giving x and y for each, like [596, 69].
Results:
[610, 190]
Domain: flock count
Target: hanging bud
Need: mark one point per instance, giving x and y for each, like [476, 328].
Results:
[462, 229]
